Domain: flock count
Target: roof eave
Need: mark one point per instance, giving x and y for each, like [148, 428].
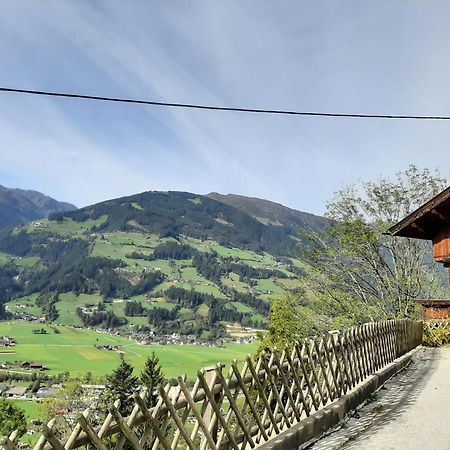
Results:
[398, 228]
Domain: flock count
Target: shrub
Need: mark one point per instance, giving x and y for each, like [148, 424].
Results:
[436, 337]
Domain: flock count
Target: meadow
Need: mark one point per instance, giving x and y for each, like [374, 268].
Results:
[32, 409]
[73, 350]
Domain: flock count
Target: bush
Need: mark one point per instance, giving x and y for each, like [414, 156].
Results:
[436, 337]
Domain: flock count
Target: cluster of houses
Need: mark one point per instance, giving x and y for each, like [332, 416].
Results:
[6, 341]
[91, 309]
[20, 392]
[170, 339]
[22, 315]
[32, 366]
[149, 338]
[111, 348]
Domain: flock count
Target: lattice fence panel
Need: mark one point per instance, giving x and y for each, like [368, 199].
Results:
[248, 405]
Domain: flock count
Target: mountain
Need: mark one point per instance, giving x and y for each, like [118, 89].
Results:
[183, 213]
[271, 213]
[19, 206]
[167, 262]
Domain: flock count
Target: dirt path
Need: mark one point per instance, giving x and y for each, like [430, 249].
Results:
[411, 412]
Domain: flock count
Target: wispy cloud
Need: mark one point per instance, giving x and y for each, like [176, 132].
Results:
[302, 55]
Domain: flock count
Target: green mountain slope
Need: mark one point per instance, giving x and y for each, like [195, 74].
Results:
[272, 213]
[19, 206]
[170, 262]
[176, 213]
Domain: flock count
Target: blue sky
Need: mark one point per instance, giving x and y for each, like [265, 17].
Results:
[342, 56]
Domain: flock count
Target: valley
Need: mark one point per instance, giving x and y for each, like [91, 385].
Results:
[73, 350]
[159, 264]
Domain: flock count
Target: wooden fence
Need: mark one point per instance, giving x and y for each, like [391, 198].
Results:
[436, 332]
[431, 325]
[252, 403]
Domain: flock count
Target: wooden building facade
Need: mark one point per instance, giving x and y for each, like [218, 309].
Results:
[431, 222]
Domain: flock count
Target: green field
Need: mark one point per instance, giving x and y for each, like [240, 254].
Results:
[18, 261]
[241, 307]
[33, 410]
[67, 227]
[25, 304]
[270, 289]
[233, 281]
[73, 350]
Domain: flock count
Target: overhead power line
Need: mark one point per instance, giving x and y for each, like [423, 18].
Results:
[220, 108]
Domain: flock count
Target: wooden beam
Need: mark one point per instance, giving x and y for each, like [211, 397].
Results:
[417, 227]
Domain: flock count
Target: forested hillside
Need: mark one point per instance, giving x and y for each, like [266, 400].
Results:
[272, 213]
[171, 214]
[170, 262]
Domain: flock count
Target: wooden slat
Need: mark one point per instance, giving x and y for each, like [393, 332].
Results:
[249, 400]
[217, 411]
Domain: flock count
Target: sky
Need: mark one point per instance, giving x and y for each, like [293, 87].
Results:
[383, 57]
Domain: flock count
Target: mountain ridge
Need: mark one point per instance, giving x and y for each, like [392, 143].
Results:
[167, 262]
[175, 213]
[269, 212]
[19, 206]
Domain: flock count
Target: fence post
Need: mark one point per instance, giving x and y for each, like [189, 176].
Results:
[209, 415]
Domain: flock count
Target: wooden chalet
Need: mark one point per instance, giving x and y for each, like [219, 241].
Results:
[431, 222]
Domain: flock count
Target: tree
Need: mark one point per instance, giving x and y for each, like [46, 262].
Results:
[120, 385]
[152, 376]
[34, 387]
[358, 271]
[3, 314]
[289, 322]
[63, 407]
[11, 418]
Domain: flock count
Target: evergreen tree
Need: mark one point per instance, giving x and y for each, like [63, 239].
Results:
[151, 376]
[120, 385]
[11, 418]
[3, 314]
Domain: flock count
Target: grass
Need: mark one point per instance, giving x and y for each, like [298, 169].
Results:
[118, 245]
[4, 259]
[203, 288]
[232, 281]
[162, 304]
[73, 350]
[32, 409]
[289, 283]
[208, 289]
[269, 285]
[240, 307]
[28, 303]
[18, 261]
[106, 249]
[203, 310]
[260, 318]
[118, 307]
[137, 206]
[68, 303]
[136, 239]
[67, 227]
[191, 274]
